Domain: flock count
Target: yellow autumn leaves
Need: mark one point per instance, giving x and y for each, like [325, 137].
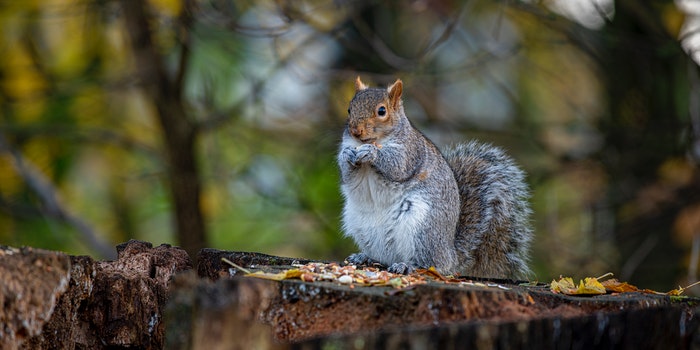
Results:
[593, 286]
[587, 286]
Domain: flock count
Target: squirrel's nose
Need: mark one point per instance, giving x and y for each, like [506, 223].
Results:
[356, 131]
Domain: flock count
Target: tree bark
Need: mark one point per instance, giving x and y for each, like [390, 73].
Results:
[150, 298]
[55, 301]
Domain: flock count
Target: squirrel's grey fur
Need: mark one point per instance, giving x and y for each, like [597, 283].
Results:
[407, 206]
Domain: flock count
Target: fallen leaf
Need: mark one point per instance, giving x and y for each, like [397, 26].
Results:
[680, 290]
[587, 286]
[284, 275]
[396, 282]
[564, 285]
[615, 286]
[433, 272]
[590, 285]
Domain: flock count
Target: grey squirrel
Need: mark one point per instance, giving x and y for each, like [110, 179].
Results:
[407, 206]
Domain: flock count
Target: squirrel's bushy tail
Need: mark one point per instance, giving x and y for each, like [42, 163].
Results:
[494, 224]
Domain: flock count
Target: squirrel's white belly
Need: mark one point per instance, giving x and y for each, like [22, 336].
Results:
[383, 218]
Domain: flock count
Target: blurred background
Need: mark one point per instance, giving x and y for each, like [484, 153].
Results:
[215, 123]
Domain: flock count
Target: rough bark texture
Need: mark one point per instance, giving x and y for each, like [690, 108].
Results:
[54, 301]
[32, 282]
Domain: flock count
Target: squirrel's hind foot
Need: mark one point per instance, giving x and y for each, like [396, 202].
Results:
[401, 268]
[363, 259]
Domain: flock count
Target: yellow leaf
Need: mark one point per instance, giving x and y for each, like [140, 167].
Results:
[564, 285]
[284, 275]
[590, 285]
[396, 282]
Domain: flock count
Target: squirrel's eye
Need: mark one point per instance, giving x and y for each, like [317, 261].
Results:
[348, 110]
[381, 111]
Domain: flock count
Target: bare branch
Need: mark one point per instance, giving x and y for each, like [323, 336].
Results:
[689, 34]
[380, 47]
[446, 33]
[52, 206]
[638, 256]
[226, 18]
[73, 133]
[218, 118]
[183, 31]
[601, 12]
[575, 33]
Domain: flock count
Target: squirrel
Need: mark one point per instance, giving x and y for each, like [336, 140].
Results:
[408, 206]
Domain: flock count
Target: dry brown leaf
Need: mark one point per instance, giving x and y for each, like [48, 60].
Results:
[615, 286]
[433, 272]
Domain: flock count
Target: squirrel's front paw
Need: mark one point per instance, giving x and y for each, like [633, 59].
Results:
[349, 155]
[366, 153]
[401, 268]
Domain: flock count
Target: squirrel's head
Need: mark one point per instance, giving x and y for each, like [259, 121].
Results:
[373, 112]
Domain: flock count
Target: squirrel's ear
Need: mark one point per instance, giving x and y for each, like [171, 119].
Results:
[395, 91]
[359, 85]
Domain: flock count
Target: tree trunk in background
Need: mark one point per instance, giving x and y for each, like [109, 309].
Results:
[646, 77]
[179, 132]
[183, 176]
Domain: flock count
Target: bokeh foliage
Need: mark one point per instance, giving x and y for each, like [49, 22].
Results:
[598, 103]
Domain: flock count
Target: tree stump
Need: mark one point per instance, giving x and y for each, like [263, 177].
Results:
[433, 315]
[151, 298]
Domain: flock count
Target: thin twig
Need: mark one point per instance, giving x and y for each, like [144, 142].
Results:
[446, 33]
[381, 48]
[609, 274]
[638, 256]
[235, 265]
